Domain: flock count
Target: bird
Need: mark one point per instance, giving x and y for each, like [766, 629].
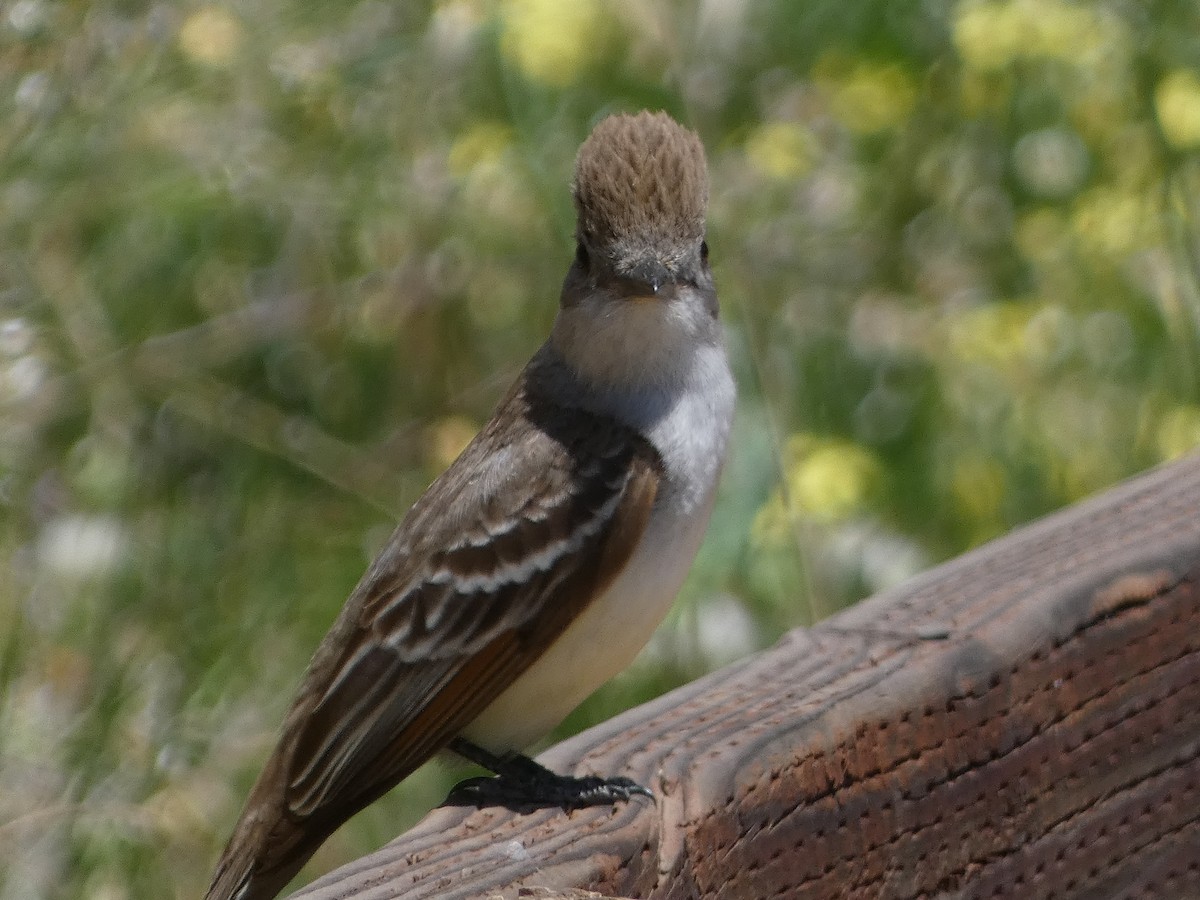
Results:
[540, 562]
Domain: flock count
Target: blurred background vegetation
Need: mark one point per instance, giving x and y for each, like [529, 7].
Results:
[264, 268]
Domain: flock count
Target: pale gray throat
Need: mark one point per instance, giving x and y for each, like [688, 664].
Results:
[686, 417]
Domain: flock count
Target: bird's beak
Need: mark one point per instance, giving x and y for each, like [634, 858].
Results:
[648, 279]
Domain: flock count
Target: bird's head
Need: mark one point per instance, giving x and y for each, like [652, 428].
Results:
[639, 292]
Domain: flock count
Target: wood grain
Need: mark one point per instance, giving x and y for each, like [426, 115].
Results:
[1021, 721]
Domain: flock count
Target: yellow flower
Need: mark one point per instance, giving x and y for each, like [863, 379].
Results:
[483, 144]
[989, 36]
[833, 481]
[1114, 222]
[211, 36]
[826, 479]
[551, 41]
[1177, 100]
[992, 333]
[1179, 432]
[781, 149]
[871, 97]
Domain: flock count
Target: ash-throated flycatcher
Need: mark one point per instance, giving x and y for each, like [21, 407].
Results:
[537, 566]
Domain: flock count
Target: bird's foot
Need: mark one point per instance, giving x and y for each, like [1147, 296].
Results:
[522, 783]
[561, 791]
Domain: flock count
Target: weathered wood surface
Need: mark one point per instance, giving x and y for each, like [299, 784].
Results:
[1022, 721]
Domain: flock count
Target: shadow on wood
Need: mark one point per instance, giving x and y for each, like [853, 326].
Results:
[1024, 720]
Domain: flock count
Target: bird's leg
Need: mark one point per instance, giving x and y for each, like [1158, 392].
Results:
[523, 783]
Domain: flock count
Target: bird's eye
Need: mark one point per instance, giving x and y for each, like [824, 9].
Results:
[704, 251]
[581, 255]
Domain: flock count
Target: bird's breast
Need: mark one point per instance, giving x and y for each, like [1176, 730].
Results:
[602, 640]
[691, 439]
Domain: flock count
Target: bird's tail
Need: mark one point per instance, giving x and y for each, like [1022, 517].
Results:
[240, 876]
[268, 847]
[233, 879]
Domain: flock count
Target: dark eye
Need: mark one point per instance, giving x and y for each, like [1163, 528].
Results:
[581, 255]
[704, 250]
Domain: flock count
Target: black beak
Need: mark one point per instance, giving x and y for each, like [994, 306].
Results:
[649, 276]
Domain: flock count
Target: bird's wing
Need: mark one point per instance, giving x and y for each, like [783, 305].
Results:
[492, 564]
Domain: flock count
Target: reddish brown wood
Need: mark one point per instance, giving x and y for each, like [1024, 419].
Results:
[1022, 721]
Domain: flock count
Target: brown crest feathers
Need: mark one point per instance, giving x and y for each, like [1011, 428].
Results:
[641, 178]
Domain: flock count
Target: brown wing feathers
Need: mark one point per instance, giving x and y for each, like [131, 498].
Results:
[474, 586]
[492, 609]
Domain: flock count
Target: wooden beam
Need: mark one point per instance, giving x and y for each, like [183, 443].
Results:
[1023, 720]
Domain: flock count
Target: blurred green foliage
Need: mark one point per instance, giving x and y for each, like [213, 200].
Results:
[265, 267]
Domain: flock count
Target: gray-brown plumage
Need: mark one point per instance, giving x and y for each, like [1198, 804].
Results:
[638, 179]
[538, 563]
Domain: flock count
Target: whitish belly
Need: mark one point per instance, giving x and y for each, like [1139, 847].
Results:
[601, 642]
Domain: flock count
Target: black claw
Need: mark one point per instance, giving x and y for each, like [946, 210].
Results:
[523, 784]
[562, 791]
